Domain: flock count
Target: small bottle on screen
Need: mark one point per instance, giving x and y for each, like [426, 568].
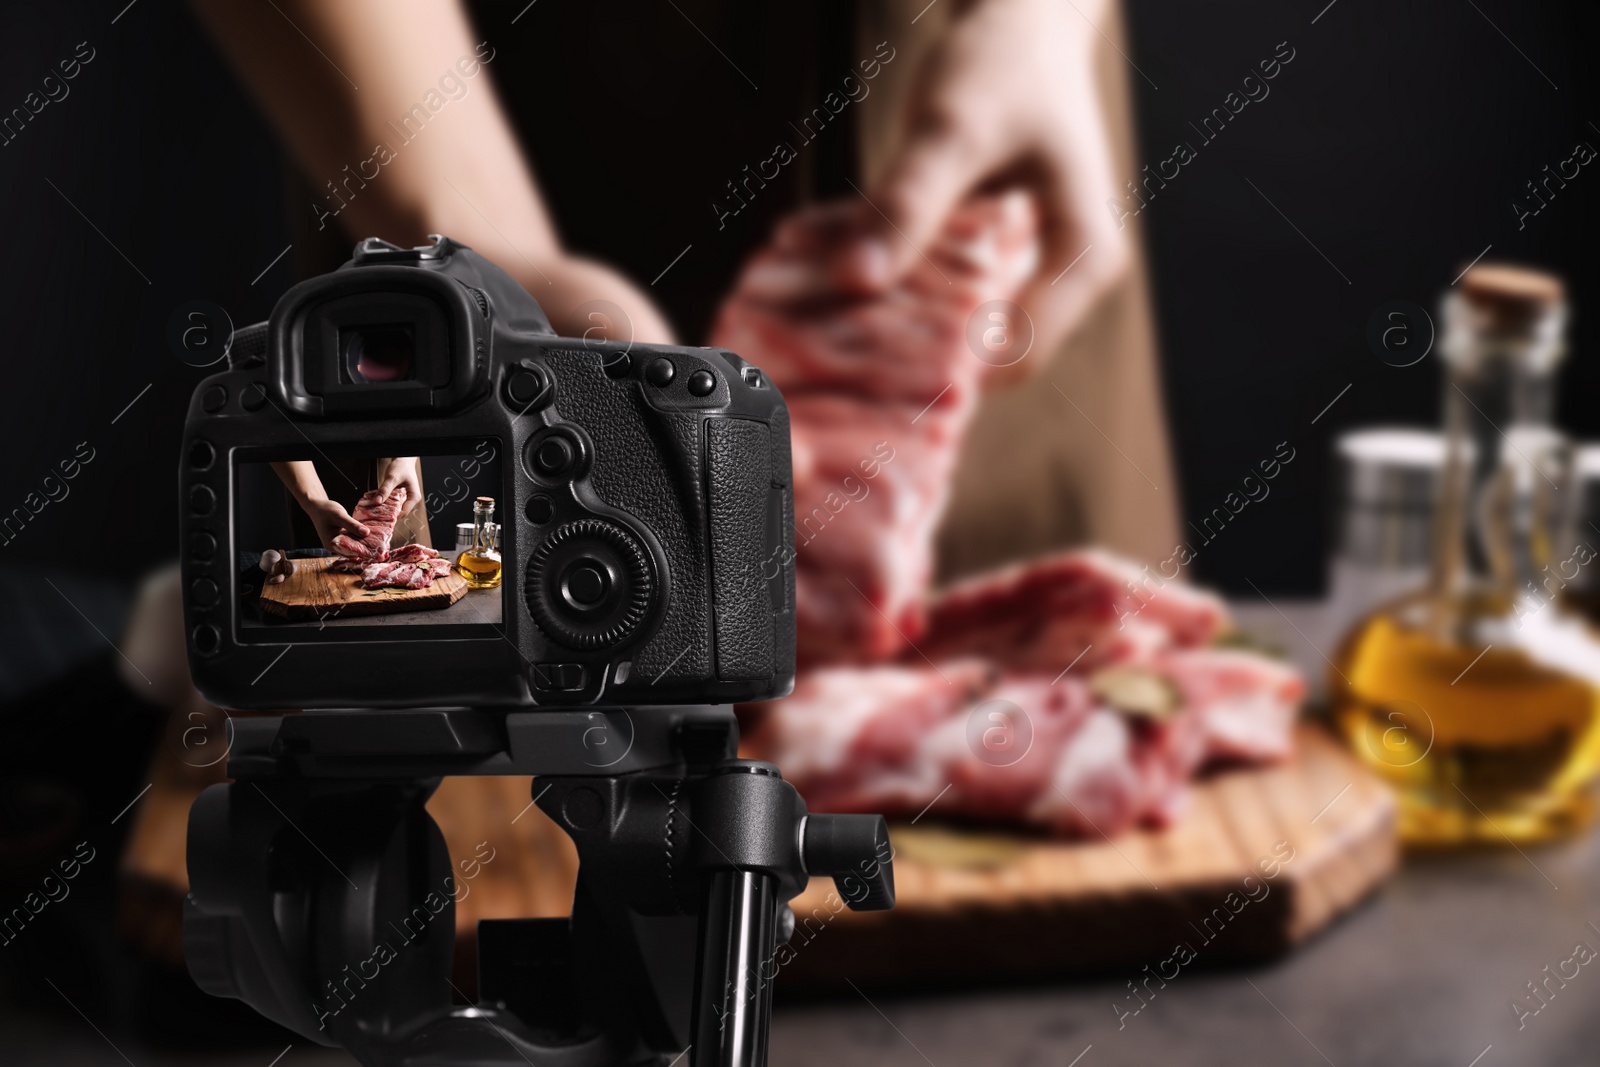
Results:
[479, 564]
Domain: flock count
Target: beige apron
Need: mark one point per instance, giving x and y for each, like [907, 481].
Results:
[1037, 473]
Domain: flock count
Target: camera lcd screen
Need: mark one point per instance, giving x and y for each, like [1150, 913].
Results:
[357, 566]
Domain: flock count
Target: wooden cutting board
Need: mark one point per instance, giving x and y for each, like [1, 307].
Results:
[974, 905]
[314, 592]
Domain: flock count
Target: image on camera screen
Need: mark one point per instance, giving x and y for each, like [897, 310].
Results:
[356, 563]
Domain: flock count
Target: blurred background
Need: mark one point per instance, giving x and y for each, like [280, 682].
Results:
[1396, 147]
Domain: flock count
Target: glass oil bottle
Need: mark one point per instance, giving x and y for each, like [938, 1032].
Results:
[1478, 697]
[480, 563]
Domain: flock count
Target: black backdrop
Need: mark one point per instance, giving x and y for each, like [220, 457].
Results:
[1395, 141]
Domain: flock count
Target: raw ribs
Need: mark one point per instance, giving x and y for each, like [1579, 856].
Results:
[1077, 693]
[402, 575]
[880, 391]
[995, 728]
[378, 515]
[410, 566]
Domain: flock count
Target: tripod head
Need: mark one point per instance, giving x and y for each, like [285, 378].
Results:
[323, 895]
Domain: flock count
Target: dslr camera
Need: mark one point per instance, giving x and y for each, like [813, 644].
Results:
[645, 520]
[642, 495]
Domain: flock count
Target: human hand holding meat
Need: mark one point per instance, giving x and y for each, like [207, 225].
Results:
[402, 472]
[1007, 99]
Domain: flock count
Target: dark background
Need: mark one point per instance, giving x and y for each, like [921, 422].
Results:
[1396, 141]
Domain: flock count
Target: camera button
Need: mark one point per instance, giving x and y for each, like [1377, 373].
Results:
[553, 455]
[616, 364]
[203, 593]
[549, 677]
[660, 372]
[207, 639]
[586, 584]
[214, 398]
[701, 383]
[202, 546]
[540, 510]
[202, 500]
[527, 387]
[254, 397]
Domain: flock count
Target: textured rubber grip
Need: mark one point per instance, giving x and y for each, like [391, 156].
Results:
[739, 480]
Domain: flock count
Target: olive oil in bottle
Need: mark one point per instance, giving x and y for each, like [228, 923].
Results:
[1478, 697]
[480, 564]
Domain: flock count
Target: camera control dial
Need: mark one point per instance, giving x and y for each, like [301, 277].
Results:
[589, 584]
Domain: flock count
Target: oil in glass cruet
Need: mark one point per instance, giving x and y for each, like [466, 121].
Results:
[1478, 696]
[480, 564]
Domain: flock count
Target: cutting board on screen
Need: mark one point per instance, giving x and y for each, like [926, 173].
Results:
[313, 592]
[1262, 859]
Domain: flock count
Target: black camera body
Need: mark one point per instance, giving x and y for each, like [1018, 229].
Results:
[644, 498]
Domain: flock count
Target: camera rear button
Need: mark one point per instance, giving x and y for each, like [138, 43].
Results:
[526, 387]
[553, 455]
[207, 639]
[203, 593]
[214, 398]
[202, 546]
[540, 510]
[254, 397]
[701, 383]
[660, 372]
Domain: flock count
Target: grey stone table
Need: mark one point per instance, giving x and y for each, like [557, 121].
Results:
[1433, 971]
[1424, 974]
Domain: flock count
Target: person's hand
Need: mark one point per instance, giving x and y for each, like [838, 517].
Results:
[402, 472]
[1007, 98]
[331, 519]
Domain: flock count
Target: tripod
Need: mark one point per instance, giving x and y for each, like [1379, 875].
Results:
[322, 893]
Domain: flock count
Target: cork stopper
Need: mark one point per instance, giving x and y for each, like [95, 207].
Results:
[483, 502]
[1510, 299]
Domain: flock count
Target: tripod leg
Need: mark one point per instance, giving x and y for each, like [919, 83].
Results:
[733, 1002]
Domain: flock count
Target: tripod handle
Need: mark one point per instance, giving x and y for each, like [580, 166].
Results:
[854, 851]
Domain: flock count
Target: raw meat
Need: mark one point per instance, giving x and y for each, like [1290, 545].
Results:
[378, 515]
[1046, 614]
[410, 566]
[992, 728]
[880, 391]
[403, 575]
[1247, 701]
[414, 553]
[852, 734]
